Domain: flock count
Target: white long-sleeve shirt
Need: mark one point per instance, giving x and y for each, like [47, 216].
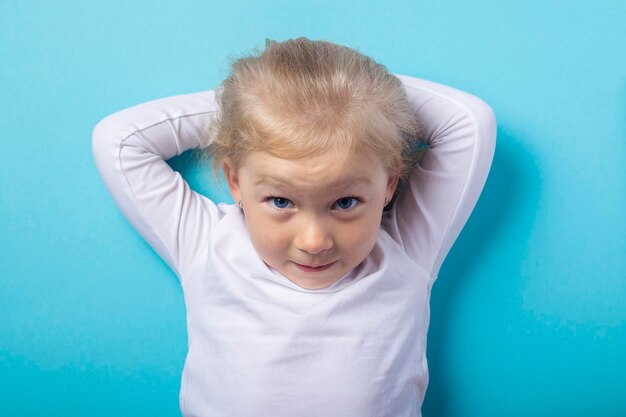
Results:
[260, 345]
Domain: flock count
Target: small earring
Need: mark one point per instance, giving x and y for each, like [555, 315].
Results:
[386, 201]
[240, 204]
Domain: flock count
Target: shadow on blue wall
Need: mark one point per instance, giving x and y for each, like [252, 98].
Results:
[197, 172]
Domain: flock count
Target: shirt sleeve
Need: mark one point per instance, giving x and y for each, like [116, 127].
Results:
[130, 148]
[459, 131]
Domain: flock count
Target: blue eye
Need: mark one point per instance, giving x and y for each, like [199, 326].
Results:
[280, 202]
[346, 203]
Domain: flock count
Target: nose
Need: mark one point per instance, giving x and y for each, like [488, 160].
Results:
[313, 237]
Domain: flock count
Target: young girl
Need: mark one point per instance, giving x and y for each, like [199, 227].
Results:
[307, 297]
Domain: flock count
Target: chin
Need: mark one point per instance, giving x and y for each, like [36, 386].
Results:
[311, 283]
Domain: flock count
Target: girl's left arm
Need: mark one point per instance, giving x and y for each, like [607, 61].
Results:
[459, 131]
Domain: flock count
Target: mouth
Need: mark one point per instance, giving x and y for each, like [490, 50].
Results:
[312, 268]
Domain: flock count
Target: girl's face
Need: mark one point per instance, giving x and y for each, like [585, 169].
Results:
[312, 220]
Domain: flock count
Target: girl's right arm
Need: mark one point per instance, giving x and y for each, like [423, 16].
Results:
[130, 148]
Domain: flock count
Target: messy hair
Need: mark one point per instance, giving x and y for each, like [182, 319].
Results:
[301, 98]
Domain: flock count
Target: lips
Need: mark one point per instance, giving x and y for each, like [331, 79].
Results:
[310, 268]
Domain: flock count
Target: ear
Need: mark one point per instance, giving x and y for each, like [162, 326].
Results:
[232, 178]
[392, 184]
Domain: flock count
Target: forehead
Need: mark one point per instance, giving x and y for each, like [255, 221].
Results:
[326, 171]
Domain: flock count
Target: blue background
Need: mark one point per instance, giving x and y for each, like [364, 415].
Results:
[529, 313]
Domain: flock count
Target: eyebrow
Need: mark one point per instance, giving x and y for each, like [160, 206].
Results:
[279, 182]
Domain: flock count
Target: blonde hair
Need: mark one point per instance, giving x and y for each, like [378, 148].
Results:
[300, 98]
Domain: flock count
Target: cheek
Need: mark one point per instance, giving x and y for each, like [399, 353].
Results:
[360, 238]
[268, 239]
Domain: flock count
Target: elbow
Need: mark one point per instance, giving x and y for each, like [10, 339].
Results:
[106, 140]
[105, 129]
[487, 132]
[99, 135]
[486, 120]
